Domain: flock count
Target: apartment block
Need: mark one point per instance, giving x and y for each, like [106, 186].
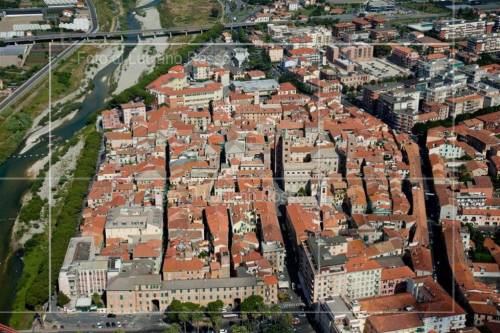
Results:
[458, 29]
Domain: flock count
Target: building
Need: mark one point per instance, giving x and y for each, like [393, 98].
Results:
[358, 52]
[130, 293]
[132, 110]
[174, 90]
[458, 29]
[13, 55]
[275, 53]
[135, 225]
[399, 108]
[487, 43]
[363, 277]
[404, 56]
[343, 28]
[380, 6]
[321, 269]
[468, 103]
[339, 315]
[260, 87]
[82, 274]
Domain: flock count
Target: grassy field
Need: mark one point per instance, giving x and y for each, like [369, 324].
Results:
[107, 14]
[15, 121]
[427, 7]
[181, 13]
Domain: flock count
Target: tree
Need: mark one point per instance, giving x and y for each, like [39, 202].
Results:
[214, 12]
[173, 328]
[381, 50]
[301, 192]
[96, 300]
[184, 313]
[178, 313]
[278, 328]
[214, 312]
[252, 306]
[62, 299]
[239, 329]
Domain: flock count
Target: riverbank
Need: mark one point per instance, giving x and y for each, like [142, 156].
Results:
[23, 231]
[33, 290]
[16, 121]
[144, 56]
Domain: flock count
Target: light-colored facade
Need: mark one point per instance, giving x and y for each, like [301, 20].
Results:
[458, 29]
[321, 272]
[82, 274]
[147, 293]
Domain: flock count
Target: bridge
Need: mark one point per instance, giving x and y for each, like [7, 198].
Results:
[74, 36]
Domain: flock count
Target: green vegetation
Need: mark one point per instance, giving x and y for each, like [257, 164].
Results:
[97, 301]
[106, 14]
[62, 299]
[60, 111]
[126, 7]
[422, 128]
[479, 253]
[467, 14]
[328, 22]
[464, 175]
[31, 211]
[179, 13]
[252, 310]
[33, 287]
[427, 7]
[181, 55]
[381, 50]
[13, 76]
[486, 59]
[173, 328]
[214, 312]
[9, 3]
[239, 329]
[185, 313]
[260, 2]
[258, 59]
[16, 120]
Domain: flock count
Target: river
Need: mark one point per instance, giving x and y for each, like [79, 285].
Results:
[14, 183]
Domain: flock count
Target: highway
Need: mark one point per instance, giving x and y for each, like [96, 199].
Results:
[95, 34]
[38, 76]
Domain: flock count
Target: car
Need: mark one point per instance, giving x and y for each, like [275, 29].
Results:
[302, 314]
[108, 325]
[282, 276]
[111, 315]
[296, 321]
[222, 330]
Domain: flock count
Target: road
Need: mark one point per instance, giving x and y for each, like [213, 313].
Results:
[38, 76]
[94, 34]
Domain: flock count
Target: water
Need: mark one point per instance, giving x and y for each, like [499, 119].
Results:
[13, 181]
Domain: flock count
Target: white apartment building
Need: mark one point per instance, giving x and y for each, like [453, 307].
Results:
[363, 278]
[82, 274]
[458, 29]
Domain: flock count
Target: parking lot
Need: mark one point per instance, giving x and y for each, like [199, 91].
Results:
[383, 69]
